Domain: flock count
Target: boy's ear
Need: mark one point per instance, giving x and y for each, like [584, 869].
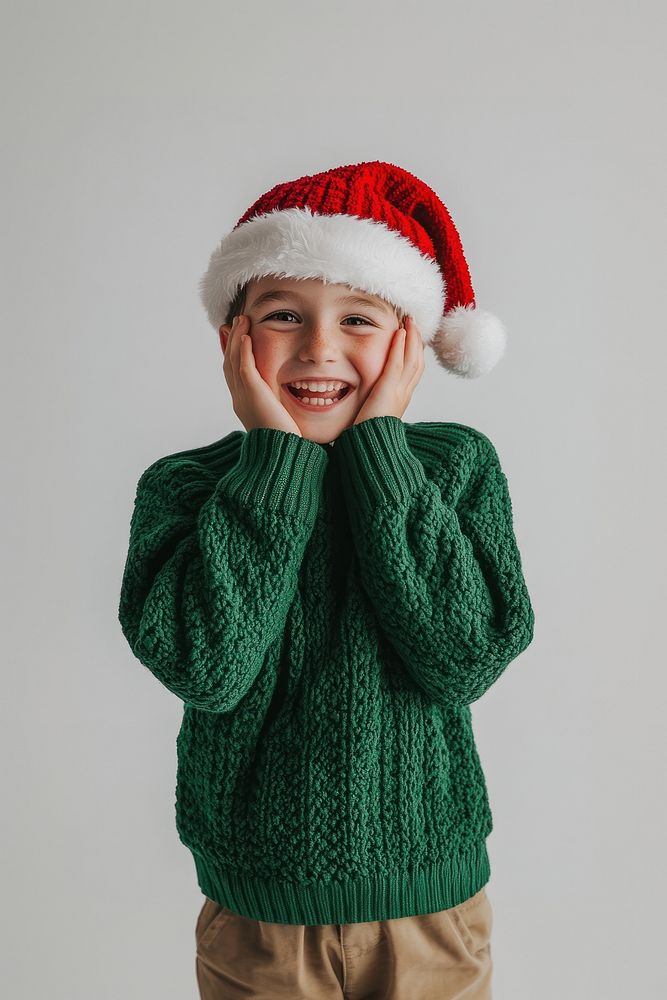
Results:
[223, 334]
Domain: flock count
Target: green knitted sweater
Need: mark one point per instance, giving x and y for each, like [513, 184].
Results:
[327, 614]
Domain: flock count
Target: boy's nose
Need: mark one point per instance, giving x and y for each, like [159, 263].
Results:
[318, 336]
[318, 329]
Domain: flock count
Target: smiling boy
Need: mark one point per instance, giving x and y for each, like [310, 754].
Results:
[305, 331]
[328, 591]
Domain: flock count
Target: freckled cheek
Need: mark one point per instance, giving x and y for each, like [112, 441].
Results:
[269, 356]
[368, 376]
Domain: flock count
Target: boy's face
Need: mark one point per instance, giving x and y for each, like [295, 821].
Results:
[312, 329]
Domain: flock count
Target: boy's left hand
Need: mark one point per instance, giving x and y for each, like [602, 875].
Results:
[403, 369]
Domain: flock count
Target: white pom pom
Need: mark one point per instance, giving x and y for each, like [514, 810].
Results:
[469, 342]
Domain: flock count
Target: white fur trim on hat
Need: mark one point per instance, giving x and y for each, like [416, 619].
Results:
[338, 249]
[361, 253]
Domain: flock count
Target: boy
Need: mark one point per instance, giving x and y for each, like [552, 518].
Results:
[328, 592]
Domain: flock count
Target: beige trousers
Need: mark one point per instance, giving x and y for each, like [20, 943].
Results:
[444, 955]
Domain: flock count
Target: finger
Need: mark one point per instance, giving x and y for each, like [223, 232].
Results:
[230, 363]
[397, 352]
[234, 352]
[397, 355]
[238, 328]
[240, 344]
[414, 350]
[227, 365]
[230, 337]
[247, 366]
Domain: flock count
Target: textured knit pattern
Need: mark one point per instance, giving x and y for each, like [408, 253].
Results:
[328, 614]
[385, 193]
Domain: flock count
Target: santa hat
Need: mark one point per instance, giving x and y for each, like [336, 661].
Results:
[372, 226]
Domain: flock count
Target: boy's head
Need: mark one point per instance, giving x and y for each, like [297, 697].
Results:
[370, 228]
[313, 331]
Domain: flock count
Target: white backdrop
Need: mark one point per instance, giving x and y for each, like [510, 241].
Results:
[135, 134]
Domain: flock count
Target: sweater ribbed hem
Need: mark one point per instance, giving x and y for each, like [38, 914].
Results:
[379, 465]
[277, 470]
[378, 897]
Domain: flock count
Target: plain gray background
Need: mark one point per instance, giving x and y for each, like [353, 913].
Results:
[135, 135]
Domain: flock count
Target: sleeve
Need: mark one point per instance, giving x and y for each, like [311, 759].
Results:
[443, 573]
[206, 591]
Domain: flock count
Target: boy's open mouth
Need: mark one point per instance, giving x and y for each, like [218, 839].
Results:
[309, 399]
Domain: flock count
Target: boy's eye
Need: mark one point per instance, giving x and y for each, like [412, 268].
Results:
[284, 312]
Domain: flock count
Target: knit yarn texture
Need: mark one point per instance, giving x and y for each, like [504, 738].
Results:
[328, 614]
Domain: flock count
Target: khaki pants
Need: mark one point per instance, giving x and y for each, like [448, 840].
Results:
[443, 955]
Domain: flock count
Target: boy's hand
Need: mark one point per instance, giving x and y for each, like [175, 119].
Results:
[254, 402]
[403, 369]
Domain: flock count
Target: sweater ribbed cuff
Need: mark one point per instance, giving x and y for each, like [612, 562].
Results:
[378, 466]
[277, 470]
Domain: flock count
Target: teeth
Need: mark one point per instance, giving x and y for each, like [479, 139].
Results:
[318, 401]
[319, 386]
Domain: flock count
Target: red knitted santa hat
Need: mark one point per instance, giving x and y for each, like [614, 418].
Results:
[372, 226]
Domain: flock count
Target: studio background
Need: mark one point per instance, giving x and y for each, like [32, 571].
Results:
[135, 135]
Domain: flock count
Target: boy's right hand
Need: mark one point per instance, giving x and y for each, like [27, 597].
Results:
[253, 399]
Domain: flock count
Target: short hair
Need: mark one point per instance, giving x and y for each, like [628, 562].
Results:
[237, 305]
